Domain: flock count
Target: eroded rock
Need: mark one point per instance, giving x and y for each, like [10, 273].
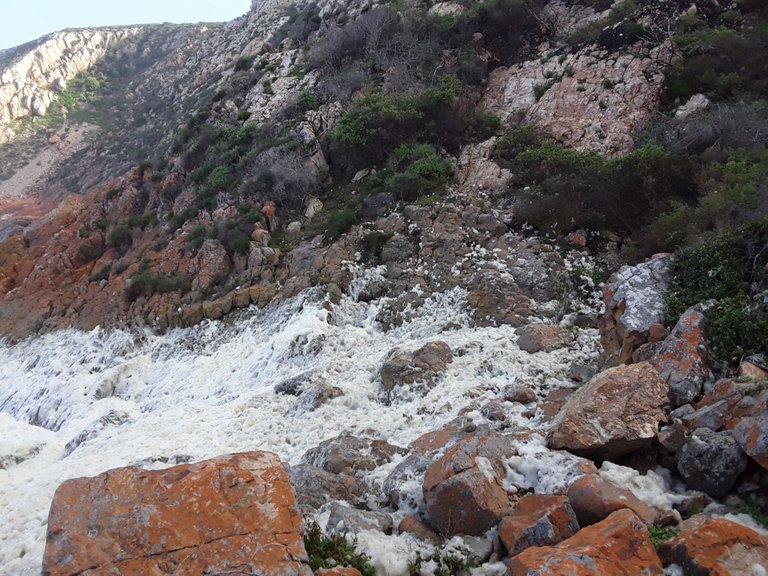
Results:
[538, 520]
[423, 366]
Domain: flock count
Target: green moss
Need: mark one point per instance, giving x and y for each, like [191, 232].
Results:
[660, 534]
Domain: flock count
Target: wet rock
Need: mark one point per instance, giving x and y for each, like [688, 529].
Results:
[581, 372]
[377, 204]
[293, 386]
[594, 498]
[348, 454]
[316, 396]
[518, 393]
[752, 435]
[494, 411]
[113, 418]
[463, 490]
[537, 520]
[230, 513]
[315, 487]
[496, 301]
[345, 519]
[431, 441]
[542, 338]
[716, 546]
[617, 412]
[711, 461]
[683, 359]
[423, 366]
[398, 486]
[634, 302]
[618, 545]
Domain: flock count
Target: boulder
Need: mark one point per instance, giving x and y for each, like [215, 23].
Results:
[518, 393]
[538, 520]
[716, 546]
[542, 338]
[343, 519]
[615, 413]
[412, 525]
[752, 435]
[348, 454]
[230, 513]
[711, 461]
[315, 487]
[634, 302]
[396, 485]
[619, 545]
[423, 365]
[463, 490]
[594, 498]
[682, 359]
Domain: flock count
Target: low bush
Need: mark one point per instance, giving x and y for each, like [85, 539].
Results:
[729, 267]
[332, 551]
[339, 222]
[146, 282]
[411, 171]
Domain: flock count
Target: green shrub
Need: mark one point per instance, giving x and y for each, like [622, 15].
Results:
[120, 235]
[90, 252]
[145, 282]
[197, 236]
[220, 179]
[339, 222]
[308, 100]
[244, 63]
[540, 89]
[730, 268]
[102, 274]
[412, 170]
[240, 244]
[332, 551]
[267, 87]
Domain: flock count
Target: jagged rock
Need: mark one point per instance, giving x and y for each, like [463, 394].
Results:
[348, 454]
[346, 519]
[711, 461]
[711, 416]
[463, 490]
[423, 366]
[537, 520]
[673, 437]
[716, 546]
[396, 485]
[518, 393]
[580, 372]
[111, 418]
[542, 338]
[431, 441]
[752, 435]
[235, 512]
[682, 358]
[617, 412]
[412, 525]
[634, 302]
[315, 487]
[594, 498]
[618, 545]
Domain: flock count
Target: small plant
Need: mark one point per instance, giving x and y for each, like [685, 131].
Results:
[540, 89]
[602, 104]
[608, 84]
[660, 534]
[308, 100]
[197, 236]
[339, 222]
[240, 244]
[570, 71]
[445, 563]
[267, 87]
[334, 551]
[102, 274]
[244, 63]
[84, 232]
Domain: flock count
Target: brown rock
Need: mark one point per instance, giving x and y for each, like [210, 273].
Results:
[578, 238]
[315, 487]
[752, 435]
[348, 454]
[542, 338]
[412, 525]
[538, 520]
[463, 490]
[683, 359]
[594, 498]
[423, 365]
[619, 545]
[436, 439]
[235, 512]
[518, 393]
[716, 546]
[338, 572]
[617, 412]
[751, 370]
[554, 402]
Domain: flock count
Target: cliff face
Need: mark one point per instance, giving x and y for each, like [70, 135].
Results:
[33, 75]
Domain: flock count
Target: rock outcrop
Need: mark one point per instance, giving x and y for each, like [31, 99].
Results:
[230, 513]
[617, 412]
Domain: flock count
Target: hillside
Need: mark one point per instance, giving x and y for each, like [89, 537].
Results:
[467, 268]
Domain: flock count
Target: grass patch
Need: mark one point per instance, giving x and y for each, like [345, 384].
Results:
[660, 534]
